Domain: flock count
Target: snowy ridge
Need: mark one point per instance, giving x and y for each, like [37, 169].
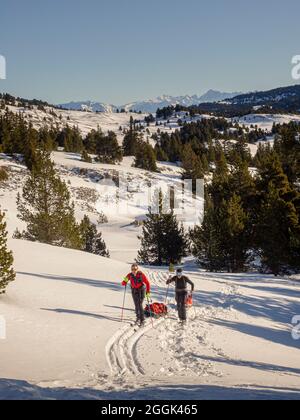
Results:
[280, 98]
[85, 121]
[151, 105]
[89, 106]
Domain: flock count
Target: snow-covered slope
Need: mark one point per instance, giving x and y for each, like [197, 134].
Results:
[85, 121]
[59, 313]
[266, 121]
[65, 338]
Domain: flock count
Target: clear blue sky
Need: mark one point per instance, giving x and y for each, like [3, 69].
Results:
[117, 51]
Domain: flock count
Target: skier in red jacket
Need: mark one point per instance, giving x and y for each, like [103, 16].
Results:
[140, 288]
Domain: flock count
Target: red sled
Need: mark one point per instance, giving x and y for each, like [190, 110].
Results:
[156, 310]
[189, 300]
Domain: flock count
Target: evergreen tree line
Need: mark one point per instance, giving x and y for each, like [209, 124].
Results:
[250, 216]
[7, 99]
[198, 156]
[17, 136]
[197, 139]
[200, 135]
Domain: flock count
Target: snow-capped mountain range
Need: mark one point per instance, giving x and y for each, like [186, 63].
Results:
[151, 105]
[89, 106]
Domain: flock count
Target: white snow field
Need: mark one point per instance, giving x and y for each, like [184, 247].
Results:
[85, 121]
[266, 121]
[65, 338]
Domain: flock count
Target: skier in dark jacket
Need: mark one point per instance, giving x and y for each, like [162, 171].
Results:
[140, 288]
[181, 283]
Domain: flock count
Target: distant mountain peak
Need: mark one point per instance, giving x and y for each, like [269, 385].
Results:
[151, 105]
[89, 106]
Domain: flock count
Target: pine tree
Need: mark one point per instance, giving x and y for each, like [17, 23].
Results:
[46, 138]
[131, 140]
[13, 131]
[7, 273]
[92, 239]
[145, 157]
[108, 149]
[204, 238]
[211, 152]
[220, 243]
[220, 188]
[262, 155]
[288, 148]
[161, 155]
[243, 184]
[163, 241]
[205, 164]
[30, 148]
[235, 238]
[72, 140]
[239, 151]
[191, 164]
[91, 140]
[85, 157]
[278, 227]
[46, 208]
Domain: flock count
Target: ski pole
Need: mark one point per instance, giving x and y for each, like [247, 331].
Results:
[167, 294]
[150, 312]
[122, 317]
[194, 305]
[166, 300]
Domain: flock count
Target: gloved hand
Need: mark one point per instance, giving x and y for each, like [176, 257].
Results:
[125, 282]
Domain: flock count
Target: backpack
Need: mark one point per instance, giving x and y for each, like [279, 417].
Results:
[156, 310]
[136, 281]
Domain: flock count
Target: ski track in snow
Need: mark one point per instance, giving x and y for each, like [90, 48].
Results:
[181, 346]
[185, 345]
[121, 350]
[122, 358]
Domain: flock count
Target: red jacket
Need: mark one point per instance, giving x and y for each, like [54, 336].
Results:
[137, 281]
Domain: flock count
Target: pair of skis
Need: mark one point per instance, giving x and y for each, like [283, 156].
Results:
[137, 327]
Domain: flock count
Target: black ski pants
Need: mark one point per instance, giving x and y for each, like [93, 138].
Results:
[138, 296]
[181, 304]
